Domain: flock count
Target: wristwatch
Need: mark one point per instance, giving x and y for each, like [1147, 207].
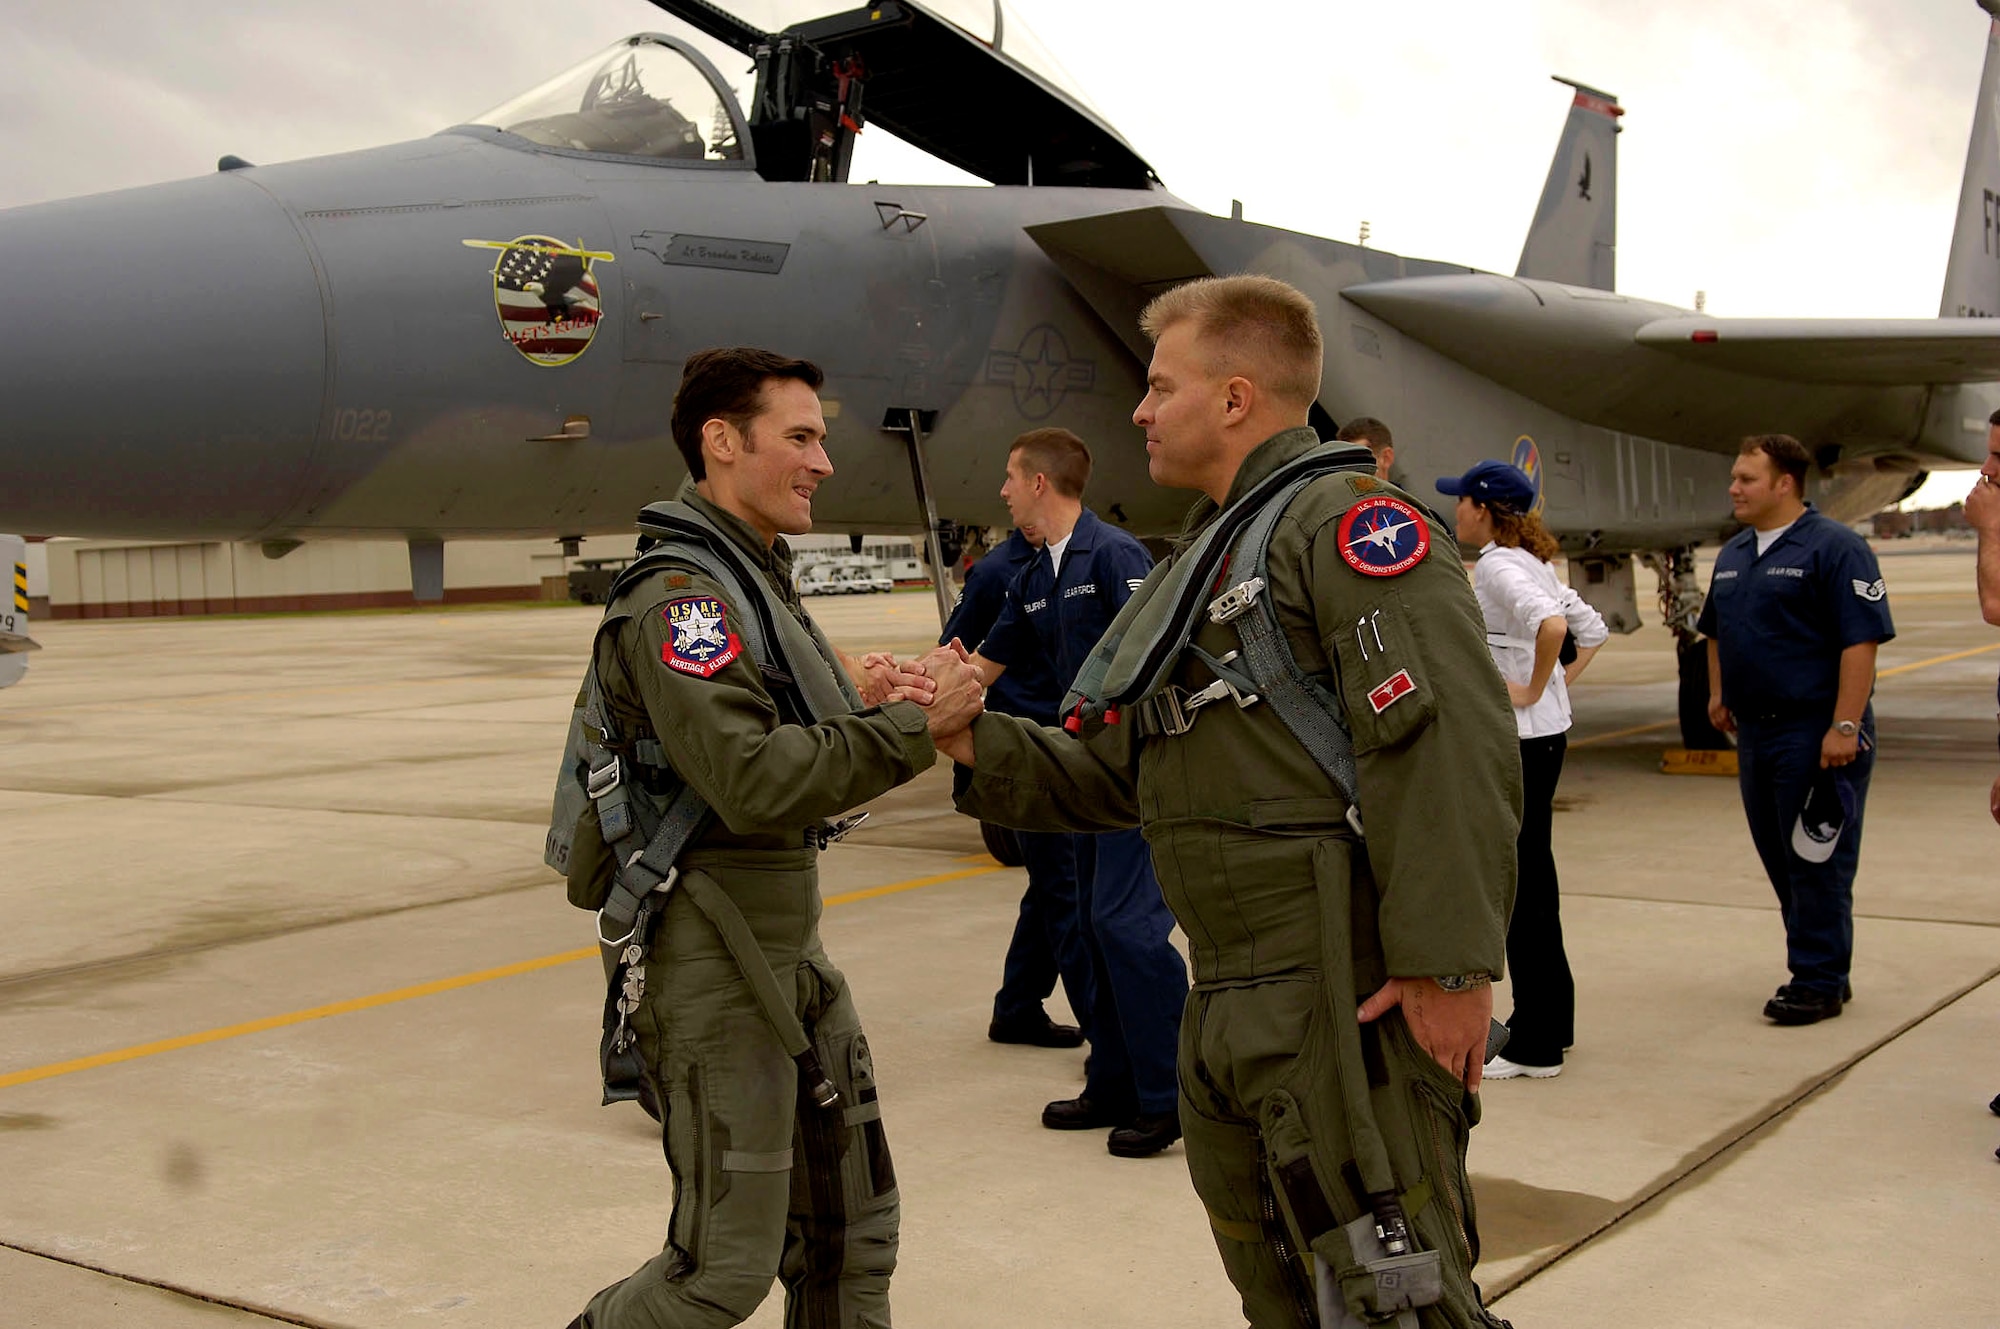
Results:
[1847, 728]
[1463, 982]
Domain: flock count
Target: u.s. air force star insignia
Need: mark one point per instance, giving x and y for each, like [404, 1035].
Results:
[1870, 590]
[702, 642]
[1382, 536]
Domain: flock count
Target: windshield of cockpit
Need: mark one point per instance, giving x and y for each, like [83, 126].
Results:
[640, 98]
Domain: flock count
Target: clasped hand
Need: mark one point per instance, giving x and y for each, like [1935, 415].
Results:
[941, 681]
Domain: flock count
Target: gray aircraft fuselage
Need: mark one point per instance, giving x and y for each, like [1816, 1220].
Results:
[362, 345]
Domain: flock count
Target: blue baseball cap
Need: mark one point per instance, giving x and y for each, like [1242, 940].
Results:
[1495, 483]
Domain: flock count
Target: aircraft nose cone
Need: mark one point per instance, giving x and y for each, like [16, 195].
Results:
[164, 370]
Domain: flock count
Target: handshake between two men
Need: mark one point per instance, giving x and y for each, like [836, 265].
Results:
[943, 680]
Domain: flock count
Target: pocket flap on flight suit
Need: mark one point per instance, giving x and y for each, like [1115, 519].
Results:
[1384, 684]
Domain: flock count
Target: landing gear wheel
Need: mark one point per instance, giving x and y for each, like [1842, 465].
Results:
[1696, 732]
[1002, 844]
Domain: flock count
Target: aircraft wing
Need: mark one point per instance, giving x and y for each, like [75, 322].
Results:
[13, 643]
[1881, 351]
[1870, 387]
[1120, 260]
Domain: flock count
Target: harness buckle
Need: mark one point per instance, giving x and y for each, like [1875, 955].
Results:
[603, 779]
[1235, 600]
[665, 887]
[832, 832]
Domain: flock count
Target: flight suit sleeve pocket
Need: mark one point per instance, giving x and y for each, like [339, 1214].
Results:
[1380, 675]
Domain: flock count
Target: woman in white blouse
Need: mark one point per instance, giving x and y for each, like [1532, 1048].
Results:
[1529, 613]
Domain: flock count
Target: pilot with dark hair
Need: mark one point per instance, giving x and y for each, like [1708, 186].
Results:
[781, 1168]
[1055, 612]
[1048, 936]
[1796, 610]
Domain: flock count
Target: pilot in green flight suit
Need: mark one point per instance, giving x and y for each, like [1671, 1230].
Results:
[1291, 918]
[768, 1184]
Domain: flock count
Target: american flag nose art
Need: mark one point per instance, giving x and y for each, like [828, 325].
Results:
[546, 295]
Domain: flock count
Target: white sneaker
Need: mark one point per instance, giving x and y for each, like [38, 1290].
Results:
[1502, 1069]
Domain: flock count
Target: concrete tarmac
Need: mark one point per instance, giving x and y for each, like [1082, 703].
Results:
[295, 1028]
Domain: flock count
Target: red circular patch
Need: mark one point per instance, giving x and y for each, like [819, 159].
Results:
[1383, 536]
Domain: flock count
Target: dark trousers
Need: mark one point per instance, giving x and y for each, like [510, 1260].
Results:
[1544, 1018]
[1141, 981]
[1048, 935]
[1776, 762]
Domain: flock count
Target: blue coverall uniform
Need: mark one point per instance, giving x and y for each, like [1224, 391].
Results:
[1048, 934]
[1780, 622]
[1057, 616]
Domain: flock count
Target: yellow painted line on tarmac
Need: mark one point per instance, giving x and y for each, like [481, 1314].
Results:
[1880, 674]
[1625, 733]
[918, 883]
[431, 989]
[1938, 660]
[48, 1072]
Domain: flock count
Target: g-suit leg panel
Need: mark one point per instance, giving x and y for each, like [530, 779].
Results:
[841, 1229]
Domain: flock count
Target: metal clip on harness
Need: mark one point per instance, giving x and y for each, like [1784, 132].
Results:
[1234, 601]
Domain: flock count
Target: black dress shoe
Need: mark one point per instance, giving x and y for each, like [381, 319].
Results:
[1994, 1106]
[1149, 1133]
[1036, 1030]
[1085, 1114]
[1797, 1005]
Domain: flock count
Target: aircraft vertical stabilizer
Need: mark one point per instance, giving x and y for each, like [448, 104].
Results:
[1972, 276]
[14, 640]
[1574, 237]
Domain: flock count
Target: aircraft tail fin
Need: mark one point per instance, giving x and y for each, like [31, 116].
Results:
[1972, 274]
[1574, 236]
[15, 643]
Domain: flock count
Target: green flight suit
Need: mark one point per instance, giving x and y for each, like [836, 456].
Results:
[767, 1185]
[1289, 916]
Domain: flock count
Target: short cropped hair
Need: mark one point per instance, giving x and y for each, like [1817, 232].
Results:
[1248, 321]
[1058, 454]
[1994, 419]
[727, 383]
[1366, 429]
[1786, 453]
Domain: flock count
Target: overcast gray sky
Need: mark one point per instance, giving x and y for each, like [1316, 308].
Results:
[1788, 158]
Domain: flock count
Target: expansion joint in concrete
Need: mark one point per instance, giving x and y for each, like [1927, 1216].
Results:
[1705, 1160]
[247, 1307]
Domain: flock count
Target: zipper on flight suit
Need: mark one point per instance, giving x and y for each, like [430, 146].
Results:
[1447, 1182]
[1281, 1246]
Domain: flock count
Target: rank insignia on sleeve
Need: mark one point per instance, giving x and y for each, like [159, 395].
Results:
[1382, 536]
[1391, 690]
[1871, 591]
[702, 642]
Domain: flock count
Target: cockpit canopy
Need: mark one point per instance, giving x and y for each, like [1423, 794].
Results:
[646, 96]
[963, 80]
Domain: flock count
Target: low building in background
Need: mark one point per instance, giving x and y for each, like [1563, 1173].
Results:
[1892, 524]
[96, 579]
